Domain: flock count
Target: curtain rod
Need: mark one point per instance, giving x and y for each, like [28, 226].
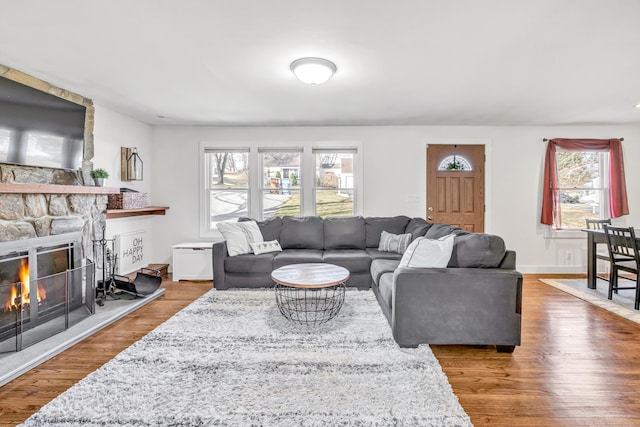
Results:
[545, 139]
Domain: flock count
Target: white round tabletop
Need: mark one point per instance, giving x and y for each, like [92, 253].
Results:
[310, 275]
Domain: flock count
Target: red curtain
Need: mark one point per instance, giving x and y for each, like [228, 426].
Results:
[618, 205]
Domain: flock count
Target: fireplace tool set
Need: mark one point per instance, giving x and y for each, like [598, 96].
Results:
[110, 285]
[105, 260]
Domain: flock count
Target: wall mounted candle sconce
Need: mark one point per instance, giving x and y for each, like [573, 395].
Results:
[132, 165]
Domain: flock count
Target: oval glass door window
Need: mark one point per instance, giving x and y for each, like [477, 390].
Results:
[454, 163]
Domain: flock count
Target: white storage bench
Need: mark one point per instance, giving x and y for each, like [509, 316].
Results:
[192, 261]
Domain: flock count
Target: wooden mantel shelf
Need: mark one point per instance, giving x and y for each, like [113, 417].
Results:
[12, 188]
[124, 213]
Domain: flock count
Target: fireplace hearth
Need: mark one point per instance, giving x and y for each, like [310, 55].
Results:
[46, 286]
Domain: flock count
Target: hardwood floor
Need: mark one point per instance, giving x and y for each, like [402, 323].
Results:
[578, 364]
[26, 394]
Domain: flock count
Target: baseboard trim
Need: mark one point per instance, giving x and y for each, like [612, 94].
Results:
[552, 269]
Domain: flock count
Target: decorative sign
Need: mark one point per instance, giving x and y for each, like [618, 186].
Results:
[130, 248]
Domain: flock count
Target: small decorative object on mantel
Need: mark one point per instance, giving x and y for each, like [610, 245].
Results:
[127, 199]
[99, 176]
[132, 165]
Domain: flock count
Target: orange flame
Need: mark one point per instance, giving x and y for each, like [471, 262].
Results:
[10, 302]
[23, 275]
[25, 298]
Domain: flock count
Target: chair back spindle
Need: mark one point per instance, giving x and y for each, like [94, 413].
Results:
[596, 224]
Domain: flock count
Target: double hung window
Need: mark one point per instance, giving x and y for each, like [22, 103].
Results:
[227, 184]
[579, 176]
[583, 187]
[335, 185]
[281, 182]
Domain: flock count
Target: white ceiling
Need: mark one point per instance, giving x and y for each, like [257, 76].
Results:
[403, 62]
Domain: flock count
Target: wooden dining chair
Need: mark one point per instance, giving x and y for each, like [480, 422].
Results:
[623, 255]
[601, 252]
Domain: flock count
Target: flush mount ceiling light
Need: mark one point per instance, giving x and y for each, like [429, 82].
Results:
[313, 71]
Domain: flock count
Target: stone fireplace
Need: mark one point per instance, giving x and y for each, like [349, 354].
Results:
[48, 221]
[38, 202]
[46, 286]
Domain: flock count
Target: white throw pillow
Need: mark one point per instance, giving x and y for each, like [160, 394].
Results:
[264, 247]
[428, 253]
[239, 236]
[397, 243]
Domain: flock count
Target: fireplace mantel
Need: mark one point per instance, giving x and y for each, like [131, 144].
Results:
[11, 188]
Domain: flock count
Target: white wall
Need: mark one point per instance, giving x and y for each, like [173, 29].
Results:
[394, 174]
[112, 131]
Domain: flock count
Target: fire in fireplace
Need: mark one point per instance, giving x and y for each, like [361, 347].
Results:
[21, 291]
[46, 286]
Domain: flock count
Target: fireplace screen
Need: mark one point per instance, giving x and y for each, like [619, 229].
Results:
[45, 288]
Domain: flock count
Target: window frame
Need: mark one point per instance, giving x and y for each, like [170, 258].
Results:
[577, 233]
[206, 189]
[355, 173]
[254, 203]
[262, 189]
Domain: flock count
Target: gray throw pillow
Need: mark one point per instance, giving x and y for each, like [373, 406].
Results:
[397, 243]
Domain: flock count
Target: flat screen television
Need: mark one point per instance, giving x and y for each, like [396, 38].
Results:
[39, 129]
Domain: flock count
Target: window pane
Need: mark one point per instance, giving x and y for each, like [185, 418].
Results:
[576, 205]
[281, 184]
[286, 202]
[334, 170]
[455, 163]
[334, 202]
[578, 169]
[228, 205]
[229, 170]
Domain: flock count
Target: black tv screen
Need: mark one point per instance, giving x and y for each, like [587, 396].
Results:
[39, 129]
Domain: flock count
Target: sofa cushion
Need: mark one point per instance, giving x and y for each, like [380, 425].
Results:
[397, 243]
[302, 233]
[477, 250]
[296, 256]
[375, 225]
[249, 263]
[239, 236]
[428, 253]
[354, 260]
[382, 266]
[344, 233]
[385, 286]
[438, 230]
[270, 227]
[418, 227]
[374, 253]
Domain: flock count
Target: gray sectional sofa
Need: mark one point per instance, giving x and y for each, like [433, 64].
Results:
[475, 300]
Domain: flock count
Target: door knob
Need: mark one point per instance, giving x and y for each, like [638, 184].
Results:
[430, 218]
[430, 209]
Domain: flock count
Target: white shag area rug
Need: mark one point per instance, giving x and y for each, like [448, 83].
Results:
[231, 359]
[621, 304]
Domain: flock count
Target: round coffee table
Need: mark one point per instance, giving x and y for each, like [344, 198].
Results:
[310, 294]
